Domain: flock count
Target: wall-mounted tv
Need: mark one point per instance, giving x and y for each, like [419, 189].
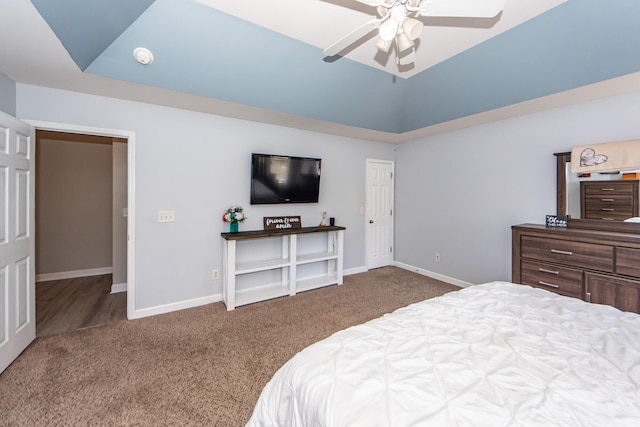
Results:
[284, 179]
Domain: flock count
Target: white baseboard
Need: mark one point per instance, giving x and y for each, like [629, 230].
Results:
[73, 274]
[437, 276]
[196, 302]
[355, 270]
[119, 287]
[181, 305]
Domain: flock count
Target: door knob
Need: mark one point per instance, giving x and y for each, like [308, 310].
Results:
[370, 221]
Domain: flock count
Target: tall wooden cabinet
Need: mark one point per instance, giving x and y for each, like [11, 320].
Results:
[602, 267]
[609, 200]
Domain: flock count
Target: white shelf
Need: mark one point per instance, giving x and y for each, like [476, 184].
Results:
[287, 259]
[322, 256]
[316, 282]
[254, 267]
[260, 294]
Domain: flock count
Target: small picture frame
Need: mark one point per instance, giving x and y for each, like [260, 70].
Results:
[556, 221]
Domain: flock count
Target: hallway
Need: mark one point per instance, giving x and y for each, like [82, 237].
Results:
[70, 304]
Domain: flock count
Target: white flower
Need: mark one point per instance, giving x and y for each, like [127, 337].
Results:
[239, 216]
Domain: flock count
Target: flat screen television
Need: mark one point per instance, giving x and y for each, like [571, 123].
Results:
[284, 179]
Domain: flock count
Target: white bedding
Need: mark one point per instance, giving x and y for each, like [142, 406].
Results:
[488, 355]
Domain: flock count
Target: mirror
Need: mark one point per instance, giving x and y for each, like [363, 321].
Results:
[568, 201]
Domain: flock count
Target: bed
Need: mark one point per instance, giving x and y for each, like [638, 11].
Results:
[489, 355]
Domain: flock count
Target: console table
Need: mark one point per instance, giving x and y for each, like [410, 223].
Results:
[287, 260]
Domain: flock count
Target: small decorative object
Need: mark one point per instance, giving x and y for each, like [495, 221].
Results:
[332, 221]
[324, 217]
[556, 221]
[233, 215]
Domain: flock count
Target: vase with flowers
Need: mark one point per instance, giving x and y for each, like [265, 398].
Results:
[233, 215]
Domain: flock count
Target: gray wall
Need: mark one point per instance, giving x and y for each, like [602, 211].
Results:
[197, 165]
[73, 206]
[7, 95]
[458, 193]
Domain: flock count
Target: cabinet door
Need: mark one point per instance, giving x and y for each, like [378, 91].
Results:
[620, 293]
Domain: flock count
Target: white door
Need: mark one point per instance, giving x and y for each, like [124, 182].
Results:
[17, 285]
[379, 213]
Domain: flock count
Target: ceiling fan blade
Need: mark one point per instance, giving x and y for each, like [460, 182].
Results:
[461, 8]
[374, 3]
[352, 37]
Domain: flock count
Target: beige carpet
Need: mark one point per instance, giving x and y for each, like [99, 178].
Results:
[202, 366]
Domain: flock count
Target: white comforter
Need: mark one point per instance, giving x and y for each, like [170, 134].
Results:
[489, 355]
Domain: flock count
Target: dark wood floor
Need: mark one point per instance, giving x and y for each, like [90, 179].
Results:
[70, 304]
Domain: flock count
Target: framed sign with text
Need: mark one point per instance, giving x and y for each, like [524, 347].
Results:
[281, 222]
[556, 221]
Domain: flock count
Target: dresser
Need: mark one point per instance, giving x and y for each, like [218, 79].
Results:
[601, 267]
[609, 200]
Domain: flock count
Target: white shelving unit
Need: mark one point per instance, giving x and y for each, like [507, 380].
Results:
[286, 261]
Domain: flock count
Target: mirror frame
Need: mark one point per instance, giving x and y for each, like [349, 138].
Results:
[591, 224]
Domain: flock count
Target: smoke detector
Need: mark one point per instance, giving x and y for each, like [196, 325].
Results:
[143, 55]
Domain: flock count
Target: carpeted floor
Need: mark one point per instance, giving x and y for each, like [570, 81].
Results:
[202, 366]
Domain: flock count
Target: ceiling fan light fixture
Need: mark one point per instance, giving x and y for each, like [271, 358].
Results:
[404, 42]
[388, 29]
[412, 28]
[384, 45]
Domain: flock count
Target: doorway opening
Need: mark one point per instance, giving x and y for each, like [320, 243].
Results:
[81, 238]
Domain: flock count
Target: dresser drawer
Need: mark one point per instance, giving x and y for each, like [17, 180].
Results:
[562, 280]
[576, 254]
[610, 200]
[628, 261]
[612, 215]
[608, 187]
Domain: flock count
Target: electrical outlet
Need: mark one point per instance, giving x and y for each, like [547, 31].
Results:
[215, 274]
[438, 257]
[166, 216]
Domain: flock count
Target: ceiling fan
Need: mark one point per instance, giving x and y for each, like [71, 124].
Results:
[397, 22]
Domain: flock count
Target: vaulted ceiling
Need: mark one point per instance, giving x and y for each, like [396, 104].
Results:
[263, 60]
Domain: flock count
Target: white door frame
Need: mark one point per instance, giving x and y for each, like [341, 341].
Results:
[368, 214]
[130, 136]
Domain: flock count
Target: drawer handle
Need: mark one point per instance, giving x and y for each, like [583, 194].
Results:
[608, 189]
[556, 251]
[608, 200]
[608, 209]
[551, 285]
[544, 270]
[607, 219]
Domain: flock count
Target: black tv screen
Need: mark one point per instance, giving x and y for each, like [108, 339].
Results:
[284, 179]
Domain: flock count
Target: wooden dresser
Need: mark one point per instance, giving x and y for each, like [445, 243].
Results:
[597, 266]
[609, 200]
